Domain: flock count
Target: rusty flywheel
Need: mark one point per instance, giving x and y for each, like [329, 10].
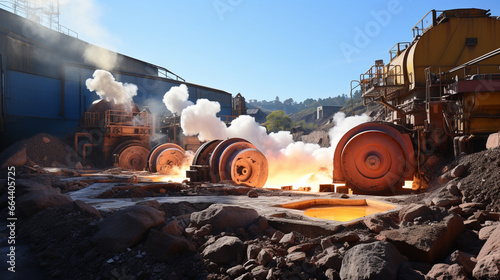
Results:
[131, 155]
[374, 158]
[164, 157]
[202, 156]
[233, 159]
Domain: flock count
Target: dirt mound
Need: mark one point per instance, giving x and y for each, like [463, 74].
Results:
[319, 137]
[482, 180]
[47, 150]
[59, 240]
[42, 149]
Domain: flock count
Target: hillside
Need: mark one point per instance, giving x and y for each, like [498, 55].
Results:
[289, 106]
[307, 115]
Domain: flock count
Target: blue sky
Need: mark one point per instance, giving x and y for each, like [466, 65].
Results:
[262, 49]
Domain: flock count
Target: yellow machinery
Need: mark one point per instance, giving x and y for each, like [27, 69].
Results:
[441, 94]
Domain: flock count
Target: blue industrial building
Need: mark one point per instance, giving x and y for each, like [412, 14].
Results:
[43, 74]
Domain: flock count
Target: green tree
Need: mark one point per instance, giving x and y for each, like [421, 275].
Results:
[288, 102]
[278, 121]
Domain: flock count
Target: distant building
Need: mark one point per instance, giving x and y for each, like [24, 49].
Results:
[326, 111]
[258, 114]
[239, 106]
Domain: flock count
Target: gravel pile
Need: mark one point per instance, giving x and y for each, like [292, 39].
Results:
[47, 150]
[482, 180]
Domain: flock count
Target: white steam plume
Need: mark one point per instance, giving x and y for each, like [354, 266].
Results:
[101, 58]
[176, 99]
[105, 85]
[83, 16]
[200, 119]
[344, 124]
[290, 163]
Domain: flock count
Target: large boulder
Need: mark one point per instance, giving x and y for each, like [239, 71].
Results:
[34, 201]
[259, 272]
[163, 246]
[487, 267]
[442, 271]
[377, 260]
[379, 223]
[86, 209]
[493, 141]
[459, 171]
[24, 186]
[287, 239]
[406, 272]
[446, 196]
[173, 228]
[331, 259]
[265, 256]
[466, 261]
[125, 228]
[296, 256]
[225, 250]
[342, 237]
[488, 259]
[492, 245]
[427, 242]
[485, 232]
[235, 271]
[224, 217]
[412, 211]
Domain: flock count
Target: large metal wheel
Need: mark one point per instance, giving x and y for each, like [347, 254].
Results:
[202, 156]
[238, 160]
[131, 155]
[164, 157]
[244, 164]
[374, 158]
[216, 155]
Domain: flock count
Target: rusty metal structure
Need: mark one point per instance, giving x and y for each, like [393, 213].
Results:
[170, 128]
[164, 157]
[441, 94]
[119, 133]
[233, 159]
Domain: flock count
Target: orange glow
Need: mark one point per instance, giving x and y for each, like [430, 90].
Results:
[341, 210]
[341, 213]
[164, 178]
[408, 185]
[279, 178]
[177, 173]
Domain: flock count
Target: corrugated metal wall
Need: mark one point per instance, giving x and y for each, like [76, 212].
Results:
[45, 82]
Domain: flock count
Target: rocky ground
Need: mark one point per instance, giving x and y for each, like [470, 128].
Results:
[450, 232]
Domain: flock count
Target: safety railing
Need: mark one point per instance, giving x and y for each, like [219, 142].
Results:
[423, 24]
[91, 119]
[398, 48]
[381, 76]
[124, 118]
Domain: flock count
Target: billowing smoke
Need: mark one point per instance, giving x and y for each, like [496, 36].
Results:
[200, 119]
[105, 85]
[344, 124]
[84, 16]
[176, 99]
[290, 163]
[101, 58]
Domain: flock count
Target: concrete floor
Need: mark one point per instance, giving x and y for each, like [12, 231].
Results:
[265, 205]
